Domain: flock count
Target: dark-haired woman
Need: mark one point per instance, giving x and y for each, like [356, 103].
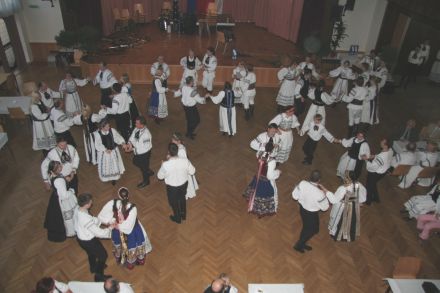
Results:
[261, 193]
[110, 164]
[130, 241]
[50, 285]
[344, 223]
[227, 113]
[59, 220]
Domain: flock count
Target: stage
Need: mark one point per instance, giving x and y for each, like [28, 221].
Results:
[255, 45]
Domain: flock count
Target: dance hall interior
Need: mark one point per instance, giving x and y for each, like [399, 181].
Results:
[358, 80]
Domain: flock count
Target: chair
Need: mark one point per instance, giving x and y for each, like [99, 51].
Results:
[140, 13]
[16, 113]
[401, 171]
[166, 6]
[221, 40]
[212, 9]
[407, 267]
[428, 172]
[120, 22]
[29, 87]
[125, 14]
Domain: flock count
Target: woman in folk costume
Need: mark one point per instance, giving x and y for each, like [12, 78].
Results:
[69, 92]
[59, 220]
[287, 77]
[261, 193]
[43, 135]
[126, 88]
[286, 121]
[419, 205]
[320, 99]
[110, 164]
[193, 186]
[191, 64]
[238, 74]
[90, 125]
[370, 115]
[345, 215]
[342, 74]
[227, 113]
[158, 108]
[130, 241]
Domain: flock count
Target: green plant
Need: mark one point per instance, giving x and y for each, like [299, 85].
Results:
[66, 39]
[85, 38]
[338, 35]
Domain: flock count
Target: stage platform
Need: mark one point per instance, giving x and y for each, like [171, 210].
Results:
[255, 45]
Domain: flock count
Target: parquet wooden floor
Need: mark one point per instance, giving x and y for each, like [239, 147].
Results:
[219, 235]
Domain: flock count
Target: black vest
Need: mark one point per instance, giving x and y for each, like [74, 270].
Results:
[228, 100]
[353, 152]
[190, 64]
[304, 91]
[107, 140]
[43, 110]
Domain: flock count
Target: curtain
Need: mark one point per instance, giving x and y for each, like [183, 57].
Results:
[9, 7]
[281, 18]
[202, 6]
[152, 9]
[219, 4]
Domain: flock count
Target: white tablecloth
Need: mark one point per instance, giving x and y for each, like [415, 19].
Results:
[276, 288]
[409, 286]
[3, 139]
[10, 102]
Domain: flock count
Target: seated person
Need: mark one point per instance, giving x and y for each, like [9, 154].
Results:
[419, 205]
[428, 222]
[406, 134]
[407, 157]
[431, 133]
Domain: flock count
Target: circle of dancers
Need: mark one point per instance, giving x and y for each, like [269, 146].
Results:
[68, 213]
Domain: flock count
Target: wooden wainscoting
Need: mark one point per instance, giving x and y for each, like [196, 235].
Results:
[40, 51]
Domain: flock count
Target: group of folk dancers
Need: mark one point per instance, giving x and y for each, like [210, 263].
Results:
[67, 214]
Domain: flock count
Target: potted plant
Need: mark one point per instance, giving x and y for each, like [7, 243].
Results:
[338, 35]
[84, 39]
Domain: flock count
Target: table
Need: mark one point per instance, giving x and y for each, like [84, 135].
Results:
[409, 285]
[23, 102]
[276, 288]
[221, 20]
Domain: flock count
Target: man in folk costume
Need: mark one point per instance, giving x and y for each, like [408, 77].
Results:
[160, 64]
[190, 98]
[105, 79]
[176, 171]
[302, 88]
[272, 135]
[262, 193]
[286, 121]
[415, 59]
[88, 232]
[110, 164]
[381, 72]
[120, 110]
[209, 64]
[426, 158]
[249, 92]
[320, 99]
[90, 125]
[140, 143]
[47, 95]
[358, 152]
[238, 74]
[191, 64]
[342, 74]
[315, 131]
[68, 157]
[345, 215]
[127, 88]
[371, 59]
[69, 91]
[370, 107]
[424, 204]
[307, 64]
[312, 198]
[129, 238]
[377, 166]
[59, 220]
[62, 122]
[287, 77]
[407, 157]
[43, 134]
[158, 108]
[355, 100]
[227, 113]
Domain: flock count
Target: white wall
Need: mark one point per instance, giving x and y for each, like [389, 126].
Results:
[363, 24]
[43, 22]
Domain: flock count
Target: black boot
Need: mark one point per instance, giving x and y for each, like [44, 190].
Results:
[247, 115]
[251, 109]
[350, 132]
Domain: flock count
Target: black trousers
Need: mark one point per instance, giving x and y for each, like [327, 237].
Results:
[372, 180]
[410, 74]
[67, 135]
[310, 227]
[192, 119]
[73, 184]
[299, 106]
[96, 254]
[358, 169]
[309, 148]
[105, 97]
[177, 200]
[142, 161]
[123, 124]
